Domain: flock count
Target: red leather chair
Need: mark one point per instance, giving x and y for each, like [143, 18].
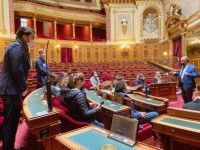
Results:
[144, 133]
[68, 123]
[88, 85]
[1, 125]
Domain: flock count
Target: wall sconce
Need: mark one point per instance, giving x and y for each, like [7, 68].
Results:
[124, 23]
[76, 50]
[125, 50]
[58, 48]
[165, 53]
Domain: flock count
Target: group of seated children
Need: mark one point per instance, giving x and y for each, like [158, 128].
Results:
[71, 91]
[142, 117]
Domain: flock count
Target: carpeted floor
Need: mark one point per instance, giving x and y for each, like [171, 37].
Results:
[21, 136]
[178, 104]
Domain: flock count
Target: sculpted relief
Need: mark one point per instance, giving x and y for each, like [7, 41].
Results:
[150, 23]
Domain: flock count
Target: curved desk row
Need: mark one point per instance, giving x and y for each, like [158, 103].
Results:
[89, 138]
[178, 129]
[150, 102]
[108, 109]
[43, 125]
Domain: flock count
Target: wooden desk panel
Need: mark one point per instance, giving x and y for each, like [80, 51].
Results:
[165, 90]
[108, 109]
[65, 143]
[176, 128]
[153, 103]
[43, 126]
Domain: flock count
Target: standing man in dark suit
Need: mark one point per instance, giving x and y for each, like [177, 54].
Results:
[186, 77]
[42, 68]
[16, 65]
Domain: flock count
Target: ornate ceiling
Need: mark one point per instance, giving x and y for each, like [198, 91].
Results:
[82, 4]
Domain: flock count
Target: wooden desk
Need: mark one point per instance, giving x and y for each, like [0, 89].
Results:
[136, 88]
[166, 90]
[153, 103]
[178, 126]
[88, 138]
[108, 109]
[43, 126]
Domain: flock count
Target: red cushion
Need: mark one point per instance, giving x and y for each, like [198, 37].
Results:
[1, 121]
[69, 124]
[144, 133]
[63, 109]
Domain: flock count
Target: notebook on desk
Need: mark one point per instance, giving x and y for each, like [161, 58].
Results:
[124, 130]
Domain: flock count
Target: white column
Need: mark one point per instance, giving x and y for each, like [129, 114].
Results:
[91, 33]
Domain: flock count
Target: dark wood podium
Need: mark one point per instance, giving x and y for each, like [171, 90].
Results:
[165, 90]
[43, 125]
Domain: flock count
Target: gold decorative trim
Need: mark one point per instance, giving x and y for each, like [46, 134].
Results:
[193, 29]
[2, 20]
[53, 12]
[194, 16]
[115, 12]
[151, 40]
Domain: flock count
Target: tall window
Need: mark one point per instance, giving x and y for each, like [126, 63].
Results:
[23, 22]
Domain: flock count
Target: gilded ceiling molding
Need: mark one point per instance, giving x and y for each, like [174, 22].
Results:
[148, 2]
[193, 29]
[118, 1]
[194, 17]
[175, 26]
[95, 5]
[20, 6]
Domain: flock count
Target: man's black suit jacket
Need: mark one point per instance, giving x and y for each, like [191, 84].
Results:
[15, 70]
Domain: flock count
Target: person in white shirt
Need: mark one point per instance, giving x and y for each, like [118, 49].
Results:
[94, 80]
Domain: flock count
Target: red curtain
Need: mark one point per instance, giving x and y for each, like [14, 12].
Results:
[82, 33]
[66, 55]
[17, 24]
[177, 47]
[51, 30]
[98, 34]
[30, 23]
[69, 31]
[40, 28]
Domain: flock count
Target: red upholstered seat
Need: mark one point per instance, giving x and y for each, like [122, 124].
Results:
[1, 121]
[1, 125]
[144, 133]
[70, 124]
[39, 85]
[67, 122]
[87, 84]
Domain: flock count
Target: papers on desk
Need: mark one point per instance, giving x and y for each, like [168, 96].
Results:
[148, 99]
[41, 113]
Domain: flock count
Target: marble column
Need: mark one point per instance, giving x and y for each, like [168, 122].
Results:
[73, 27]
[2, 20]
[34, 25]
[107, 9]
[55, 29]
[91, 33]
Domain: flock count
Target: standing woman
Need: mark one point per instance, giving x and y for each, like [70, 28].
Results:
[16, 65]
